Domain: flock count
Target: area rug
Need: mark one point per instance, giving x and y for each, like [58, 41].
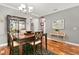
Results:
[28, 51]
[45, 52]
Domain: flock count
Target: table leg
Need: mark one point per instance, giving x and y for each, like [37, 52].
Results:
[46, 41]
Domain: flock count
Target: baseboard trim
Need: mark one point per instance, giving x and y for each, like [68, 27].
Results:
[3, 45]
[64, 42]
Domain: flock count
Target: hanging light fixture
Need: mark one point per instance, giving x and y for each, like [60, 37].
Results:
[25, 9]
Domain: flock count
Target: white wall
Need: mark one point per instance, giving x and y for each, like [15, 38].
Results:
[36, 25]
[28, 24]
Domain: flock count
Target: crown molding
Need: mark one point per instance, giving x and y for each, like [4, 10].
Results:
[5, 5]
[49, 13]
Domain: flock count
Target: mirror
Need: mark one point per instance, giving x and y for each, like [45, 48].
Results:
[58, 24]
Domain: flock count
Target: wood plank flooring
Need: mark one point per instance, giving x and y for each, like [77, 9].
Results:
[62, 48]
[4, 50]
[58, 48]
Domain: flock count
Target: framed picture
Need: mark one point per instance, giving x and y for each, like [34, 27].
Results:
[58, 24]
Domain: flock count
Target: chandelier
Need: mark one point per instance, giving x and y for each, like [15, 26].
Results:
[25, 9]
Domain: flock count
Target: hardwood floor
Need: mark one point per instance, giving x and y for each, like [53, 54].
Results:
[58, 48]
[62, 48]
[4, 50]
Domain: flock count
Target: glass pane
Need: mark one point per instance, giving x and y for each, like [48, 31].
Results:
[21, 25]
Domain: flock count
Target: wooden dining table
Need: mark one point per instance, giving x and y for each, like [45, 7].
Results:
[24, 37]
[22, 40]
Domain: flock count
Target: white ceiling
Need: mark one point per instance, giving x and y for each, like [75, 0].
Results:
[42, 9]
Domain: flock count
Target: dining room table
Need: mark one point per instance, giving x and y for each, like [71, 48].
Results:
[25, 38]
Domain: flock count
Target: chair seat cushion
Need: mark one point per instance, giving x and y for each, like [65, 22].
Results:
[15, 43]
[36, 42]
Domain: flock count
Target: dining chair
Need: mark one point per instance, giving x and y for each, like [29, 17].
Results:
[37, 41]
[11, 43]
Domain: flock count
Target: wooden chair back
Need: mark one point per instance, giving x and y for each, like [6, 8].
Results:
[10, 42]
[38, 36]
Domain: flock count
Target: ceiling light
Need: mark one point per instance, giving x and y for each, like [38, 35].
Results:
[23, 6]
[20, 8]
[30, 7]
[25, 9]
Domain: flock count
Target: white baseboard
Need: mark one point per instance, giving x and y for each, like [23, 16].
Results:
[3, 45]
[64, 42]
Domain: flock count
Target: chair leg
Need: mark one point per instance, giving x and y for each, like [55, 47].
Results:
[11, 51]
[34, 49]
[41, 48]
[20, 49]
